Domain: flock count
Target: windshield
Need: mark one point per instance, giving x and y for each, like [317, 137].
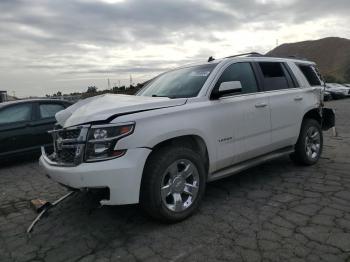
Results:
[184, 82]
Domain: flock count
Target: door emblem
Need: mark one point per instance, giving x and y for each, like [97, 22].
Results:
[225, 139]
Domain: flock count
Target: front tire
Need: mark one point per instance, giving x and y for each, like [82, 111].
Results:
[308, 149]
[173, 184]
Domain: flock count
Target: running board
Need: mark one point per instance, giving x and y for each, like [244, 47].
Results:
[232, 170]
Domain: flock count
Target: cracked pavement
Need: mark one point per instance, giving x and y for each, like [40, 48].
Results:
[274, 212]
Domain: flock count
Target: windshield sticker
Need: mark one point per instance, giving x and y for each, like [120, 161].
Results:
[200, 73]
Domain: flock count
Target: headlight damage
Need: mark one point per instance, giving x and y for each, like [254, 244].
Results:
[102, 140]
[88, 143]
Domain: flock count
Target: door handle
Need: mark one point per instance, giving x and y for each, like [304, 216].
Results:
[298, 98]
[261, 105]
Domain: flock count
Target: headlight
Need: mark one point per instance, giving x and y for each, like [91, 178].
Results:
[102, 140]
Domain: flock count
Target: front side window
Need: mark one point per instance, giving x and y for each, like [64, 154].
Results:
[274, 76]
[184, 82]
[310, 74]
[17, 113]
[49, 110]
[242, 72]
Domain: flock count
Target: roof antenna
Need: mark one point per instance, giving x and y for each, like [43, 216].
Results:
[211, 59]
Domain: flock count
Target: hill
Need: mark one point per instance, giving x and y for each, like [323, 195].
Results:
[332, 55]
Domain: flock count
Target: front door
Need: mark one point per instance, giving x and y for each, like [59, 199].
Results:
[249, 113]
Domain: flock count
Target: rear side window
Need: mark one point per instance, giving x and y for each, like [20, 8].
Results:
[242, 72]
[310, 74]
[17, 113]
[275, 76]
[49, 110]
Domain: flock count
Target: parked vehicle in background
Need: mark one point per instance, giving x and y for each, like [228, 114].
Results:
[188, 126]
[337, 91]
[24, 125]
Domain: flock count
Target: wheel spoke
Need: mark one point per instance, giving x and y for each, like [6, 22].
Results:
[314, 148]
[314, 135]
[308, 151]
[165, 191]
[173, 170]
[190, 189]
[188, 171]
[178, 203]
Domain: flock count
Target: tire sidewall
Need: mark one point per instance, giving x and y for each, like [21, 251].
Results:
[300, 150]
[170, 157]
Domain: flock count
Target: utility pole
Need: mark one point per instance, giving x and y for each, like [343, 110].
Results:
[130, 80]
[109, 84]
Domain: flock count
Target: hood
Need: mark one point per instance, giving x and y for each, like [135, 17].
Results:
[100, 108]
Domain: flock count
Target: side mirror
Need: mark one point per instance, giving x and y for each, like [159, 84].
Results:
[226, 88]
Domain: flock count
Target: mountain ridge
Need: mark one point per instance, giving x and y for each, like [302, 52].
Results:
[332, 55]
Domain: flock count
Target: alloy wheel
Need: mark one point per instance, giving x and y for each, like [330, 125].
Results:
[180, 184]
[312, 143]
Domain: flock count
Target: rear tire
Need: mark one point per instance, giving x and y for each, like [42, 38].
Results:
[308, 148]
[173, 184]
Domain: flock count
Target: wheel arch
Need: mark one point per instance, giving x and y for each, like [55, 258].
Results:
[313, 113]
[194, 142]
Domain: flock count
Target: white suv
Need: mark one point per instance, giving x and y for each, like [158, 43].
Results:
[189, 126]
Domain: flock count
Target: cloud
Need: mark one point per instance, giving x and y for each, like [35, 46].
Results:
[121, 37]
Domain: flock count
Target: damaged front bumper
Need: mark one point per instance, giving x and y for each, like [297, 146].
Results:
[121, 175]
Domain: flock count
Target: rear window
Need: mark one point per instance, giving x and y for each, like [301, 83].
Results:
[275, 76]
[49, 110]
[310, 74]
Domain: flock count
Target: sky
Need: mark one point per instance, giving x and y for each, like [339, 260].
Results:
[68, 45]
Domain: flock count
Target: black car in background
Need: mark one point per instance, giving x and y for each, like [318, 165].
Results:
[24, 125]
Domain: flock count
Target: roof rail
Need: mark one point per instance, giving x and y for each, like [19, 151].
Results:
[291, 57]
[248, 54]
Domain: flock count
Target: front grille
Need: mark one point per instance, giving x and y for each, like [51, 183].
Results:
[69, 144]
[66, 155]
[69, 134]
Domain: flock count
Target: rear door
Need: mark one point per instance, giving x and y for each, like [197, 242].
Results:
[44, 121]
[15, 133]
[286, 102]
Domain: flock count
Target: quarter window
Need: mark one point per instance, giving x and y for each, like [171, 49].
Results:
[274, 76]
[242, 72]
[310, 74]
[18, 113]
[49, 110]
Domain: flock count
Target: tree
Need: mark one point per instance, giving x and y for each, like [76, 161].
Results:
[91, 89]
